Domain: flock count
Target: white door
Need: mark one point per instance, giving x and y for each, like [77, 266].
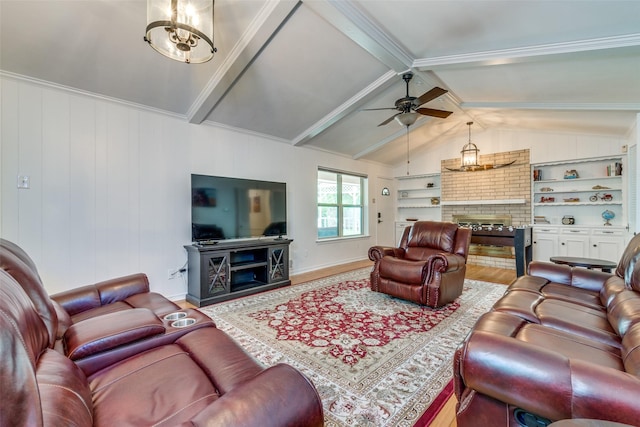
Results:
[383, 203]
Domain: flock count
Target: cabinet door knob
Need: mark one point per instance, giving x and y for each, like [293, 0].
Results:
[562, 243]
[595, 246]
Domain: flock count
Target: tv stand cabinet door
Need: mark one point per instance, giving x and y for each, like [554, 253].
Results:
[279, 263]
[215, 274]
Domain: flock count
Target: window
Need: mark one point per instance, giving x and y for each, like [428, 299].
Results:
[340, 204]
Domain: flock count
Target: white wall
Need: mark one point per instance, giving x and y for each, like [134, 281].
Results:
[544, 146]
[110, 189]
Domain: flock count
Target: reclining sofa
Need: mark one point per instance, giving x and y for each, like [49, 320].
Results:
[561, 343]
[115, 354]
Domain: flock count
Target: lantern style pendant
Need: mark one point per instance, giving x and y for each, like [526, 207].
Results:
[469, 158]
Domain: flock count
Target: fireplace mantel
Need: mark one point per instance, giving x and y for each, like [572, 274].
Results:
[483, 202]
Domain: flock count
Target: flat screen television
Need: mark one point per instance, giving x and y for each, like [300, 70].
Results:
[233, 208]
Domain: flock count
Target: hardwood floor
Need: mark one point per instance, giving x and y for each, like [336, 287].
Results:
[447, 416]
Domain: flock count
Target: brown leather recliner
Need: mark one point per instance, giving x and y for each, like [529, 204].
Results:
[427, 268]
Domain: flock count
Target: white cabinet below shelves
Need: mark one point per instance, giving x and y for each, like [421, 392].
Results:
[606, 243]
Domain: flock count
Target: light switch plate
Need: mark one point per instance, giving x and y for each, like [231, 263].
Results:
[24, 182]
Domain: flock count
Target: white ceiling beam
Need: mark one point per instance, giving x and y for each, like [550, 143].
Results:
[351, 105]
[527, 53]
[347, 18]
[266, 24]
[355, 24]
[352, 22]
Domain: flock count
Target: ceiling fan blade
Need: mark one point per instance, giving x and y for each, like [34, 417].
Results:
[389, 119]
[434, 113]
[377, 109]
[431, 94]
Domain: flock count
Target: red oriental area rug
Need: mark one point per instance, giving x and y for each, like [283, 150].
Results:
[375, 360]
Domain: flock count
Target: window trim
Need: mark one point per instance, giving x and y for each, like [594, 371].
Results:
[340, 206]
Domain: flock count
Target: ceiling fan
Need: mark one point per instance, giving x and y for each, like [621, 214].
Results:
[411, 105]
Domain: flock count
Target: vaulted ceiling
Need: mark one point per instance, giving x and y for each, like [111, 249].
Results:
[302, 72]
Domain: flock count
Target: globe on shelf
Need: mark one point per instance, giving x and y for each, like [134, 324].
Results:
[608, 216]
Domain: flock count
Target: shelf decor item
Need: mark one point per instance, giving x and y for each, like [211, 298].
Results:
[571, 174]
[607, 215]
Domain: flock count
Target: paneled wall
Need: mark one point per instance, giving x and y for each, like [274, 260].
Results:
[110, 190]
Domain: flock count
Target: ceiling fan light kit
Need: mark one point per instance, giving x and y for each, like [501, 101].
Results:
[181, 29]
[409, 106]
[406, 119]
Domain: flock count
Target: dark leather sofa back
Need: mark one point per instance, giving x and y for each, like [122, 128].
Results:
[15, 262]
[39, 385]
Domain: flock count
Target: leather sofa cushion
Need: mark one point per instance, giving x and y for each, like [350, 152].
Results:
[631, 350]
[402, 270]
[109, 331]
[22, 337]
[64, 392]
[571, 346]
[151, 300]
[29, 280]
[578, 319]
[628, 256]
[624, 311]
[178, 386]
[100, 311]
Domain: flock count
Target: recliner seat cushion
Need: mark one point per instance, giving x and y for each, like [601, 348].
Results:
[176, 389]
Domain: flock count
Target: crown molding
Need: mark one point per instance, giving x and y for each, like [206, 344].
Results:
[567, 106]
[527, 53]
[96, 96]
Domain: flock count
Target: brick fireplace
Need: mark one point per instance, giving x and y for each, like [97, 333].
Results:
[503, 191]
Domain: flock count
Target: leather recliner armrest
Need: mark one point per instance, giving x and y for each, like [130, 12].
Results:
[547, 383]
[278, 396]
[84, 298]
[377, 252]
[109, 331]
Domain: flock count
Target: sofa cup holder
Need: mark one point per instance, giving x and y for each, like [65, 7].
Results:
[183, 323]
[175, 316]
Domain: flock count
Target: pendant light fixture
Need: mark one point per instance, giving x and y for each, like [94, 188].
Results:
[469, 158]
[181, 29]
[469, 153]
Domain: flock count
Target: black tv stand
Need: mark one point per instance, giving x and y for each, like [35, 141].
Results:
[231, 269]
